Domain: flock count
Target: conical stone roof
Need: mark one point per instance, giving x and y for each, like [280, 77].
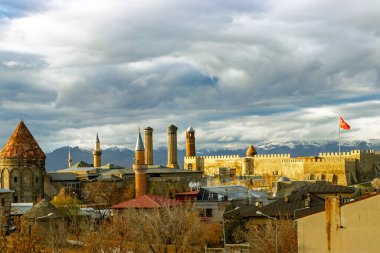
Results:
[251, 151]
[22, 144]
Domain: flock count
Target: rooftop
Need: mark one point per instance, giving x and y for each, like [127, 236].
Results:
[22, 144]
[147, 201]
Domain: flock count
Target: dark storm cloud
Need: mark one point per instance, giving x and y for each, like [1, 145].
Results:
[234, 70]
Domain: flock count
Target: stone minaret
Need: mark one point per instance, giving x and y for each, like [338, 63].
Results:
[139, 167]
[172, 147]
[69, 159]
[190, 142]
[148, 140]
[97, 153]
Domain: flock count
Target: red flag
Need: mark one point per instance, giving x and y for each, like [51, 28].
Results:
[343, 124]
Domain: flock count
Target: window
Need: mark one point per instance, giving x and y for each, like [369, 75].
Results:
[2, 202]
[15, 179]
[208, 212]
[15, 199]
[36, 180]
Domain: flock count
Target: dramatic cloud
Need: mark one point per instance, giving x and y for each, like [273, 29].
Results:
[239, 72]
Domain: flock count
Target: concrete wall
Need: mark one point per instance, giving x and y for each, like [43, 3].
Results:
[353, 227]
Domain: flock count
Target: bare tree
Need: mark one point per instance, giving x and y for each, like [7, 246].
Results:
[262, 236]
[174, 229]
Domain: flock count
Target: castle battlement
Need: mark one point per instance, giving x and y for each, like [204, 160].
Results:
[273, 156]
[189, 158]
[292, 160]
[219, 157]
[352, 152]
[328, 160]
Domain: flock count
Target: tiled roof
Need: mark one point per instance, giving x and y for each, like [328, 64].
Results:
[147, 201]
[285, 207]
[22, 144]
[324, 188]
[43, 208]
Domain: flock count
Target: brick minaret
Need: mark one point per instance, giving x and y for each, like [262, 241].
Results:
[148, 140]
[97, 153]
[139, 167]
[190, 142]
[172, 147]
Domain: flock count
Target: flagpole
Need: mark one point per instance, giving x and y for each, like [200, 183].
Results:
[339, 136]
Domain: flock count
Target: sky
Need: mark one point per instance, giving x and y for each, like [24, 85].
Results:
[240, 72]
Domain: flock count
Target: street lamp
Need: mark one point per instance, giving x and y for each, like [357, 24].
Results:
[224, 232]
[273, 218]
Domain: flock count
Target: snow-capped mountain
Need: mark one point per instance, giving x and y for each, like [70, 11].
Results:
[57, 159]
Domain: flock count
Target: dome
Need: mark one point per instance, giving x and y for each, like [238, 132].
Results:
[190, 129]
[22, 144]
[251, 151]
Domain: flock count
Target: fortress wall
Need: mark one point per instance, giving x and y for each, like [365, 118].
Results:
[333, 167]
[293, 170]
[268, 165]
[352, 154]
[211, 164]
[272, 156]
[367, 163]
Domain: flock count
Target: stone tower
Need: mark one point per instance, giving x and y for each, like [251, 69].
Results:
[97, 153]
[148, 140]
[139, 167]
[172, 147]
[251, 151]
[190, 142]
[22, 166]
[69, 160]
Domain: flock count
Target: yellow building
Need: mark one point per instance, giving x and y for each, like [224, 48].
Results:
[347, 169]
[351, 227]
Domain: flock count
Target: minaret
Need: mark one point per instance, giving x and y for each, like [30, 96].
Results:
[148, 140]
[97, 153]
[190, 142]
[172, 147]
[69, 159]
[139, 167]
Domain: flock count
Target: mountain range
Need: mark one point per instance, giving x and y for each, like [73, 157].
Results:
[57, 159]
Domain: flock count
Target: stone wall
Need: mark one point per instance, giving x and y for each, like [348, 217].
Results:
[352, 167]
[25, 177]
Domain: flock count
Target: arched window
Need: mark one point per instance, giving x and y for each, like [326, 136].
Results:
[190, 166]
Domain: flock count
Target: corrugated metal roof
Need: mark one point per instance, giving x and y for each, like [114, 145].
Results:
[20, 208]
[62, 176]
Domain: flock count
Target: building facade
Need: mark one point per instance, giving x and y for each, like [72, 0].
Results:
[22, 166]
[347, 169]
[351, 227]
